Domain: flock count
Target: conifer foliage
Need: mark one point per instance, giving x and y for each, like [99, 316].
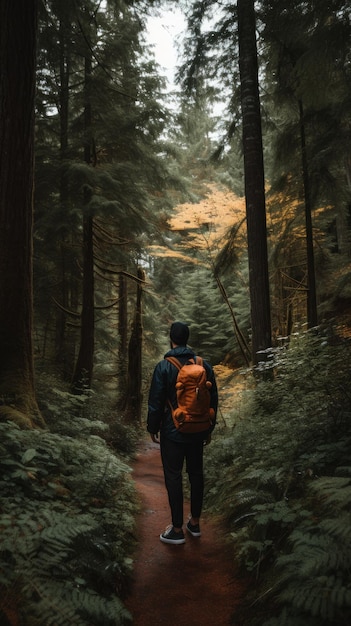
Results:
[303, 61]
[99, 119]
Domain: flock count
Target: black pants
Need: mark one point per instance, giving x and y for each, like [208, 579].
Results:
[173, 455]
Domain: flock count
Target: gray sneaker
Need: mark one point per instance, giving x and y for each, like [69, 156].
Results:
[171, 536]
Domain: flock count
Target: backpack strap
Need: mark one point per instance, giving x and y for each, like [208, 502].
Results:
[179, 365]
[174, 361]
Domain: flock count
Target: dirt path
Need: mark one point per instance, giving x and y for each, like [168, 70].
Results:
[194, 584]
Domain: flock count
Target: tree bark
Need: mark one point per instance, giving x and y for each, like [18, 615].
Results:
[254, 182]
[84, 367]
[312, 318]
[18, 29]
[134, 382]
[123, 341]
[83, 373]
[61, 356]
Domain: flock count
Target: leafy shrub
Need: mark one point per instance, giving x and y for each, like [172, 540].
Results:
[91, 412]
[284, 474]
[67, 519]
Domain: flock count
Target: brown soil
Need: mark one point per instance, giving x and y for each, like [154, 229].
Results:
[191, 584]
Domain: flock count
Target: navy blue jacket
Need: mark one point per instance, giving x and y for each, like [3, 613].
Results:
[162, 389]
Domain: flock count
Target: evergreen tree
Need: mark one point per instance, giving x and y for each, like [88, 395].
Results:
[198, 303]
[254, 182]
[83, 372]
[115, 184]
[232, 46]
[306, 76]
[305, 92]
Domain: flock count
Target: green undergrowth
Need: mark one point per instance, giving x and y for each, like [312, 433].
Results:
[281, 477]
[68, 506]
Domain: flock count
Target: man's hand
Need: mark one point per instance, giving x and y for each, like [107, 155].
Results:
[155, 438]
[208, 440]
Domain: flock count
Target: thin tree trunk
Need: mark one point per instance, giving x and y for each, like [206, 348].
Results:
[60, 348]
[312, 317]
[254, 182]
[123, 341]
[134, 392]
[84, 367]
[244, 348]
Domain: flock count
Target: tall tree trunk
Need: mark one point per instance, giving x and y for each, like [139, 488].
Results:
[254, 181]
[312, 318]
[60, 348]
[84, 367]
[18, 28]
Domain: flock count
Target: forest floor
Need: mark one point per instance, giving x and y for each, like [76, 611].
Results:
[192, 584]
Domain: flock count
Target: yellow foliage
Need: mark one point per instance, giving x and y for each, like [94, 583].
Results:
[214, 215]
[202, 224]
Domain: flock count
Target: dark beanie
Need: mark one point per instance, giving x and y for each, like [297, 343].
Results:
[179, 333]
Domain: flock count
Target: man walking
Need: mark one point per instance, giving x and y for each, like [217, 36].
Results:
[177, 447]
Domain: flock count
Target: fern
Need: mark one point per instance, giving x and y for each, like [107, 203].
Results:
[335, 490]
[73, 604]
[67, 519]
[284, 475]
[314, 577]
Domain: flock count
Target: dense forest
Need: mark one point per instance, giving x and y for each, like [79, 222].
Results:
[124, 206]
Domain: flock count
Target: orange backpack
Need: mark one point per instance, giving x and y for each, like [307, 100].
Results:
[193, 413]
